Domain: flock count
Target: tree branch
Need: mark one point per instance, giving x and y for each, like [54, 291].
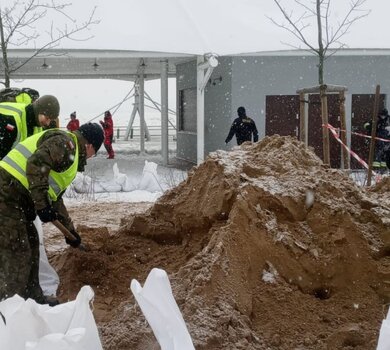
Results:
[297, 32]
[19, 27]
[327, 36]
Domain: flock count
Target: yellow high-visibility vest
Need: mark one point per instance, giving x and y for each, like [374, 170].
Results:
[18, 112]
[15, 163]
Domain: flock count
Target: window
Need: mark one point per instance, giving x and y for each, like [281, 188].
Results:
[187, 110]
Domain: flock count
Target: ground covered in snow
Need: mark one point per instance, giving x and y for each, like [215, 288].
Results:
[265, 247]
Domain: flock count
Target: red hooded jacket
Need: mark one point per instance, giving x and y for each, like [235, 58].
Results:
[108, 126]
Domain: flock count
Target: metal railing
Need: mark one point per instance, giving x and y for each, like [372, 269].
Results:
[154, 132]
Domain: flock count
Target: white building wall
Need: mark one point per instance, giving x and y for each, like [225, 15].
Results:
[247, 80]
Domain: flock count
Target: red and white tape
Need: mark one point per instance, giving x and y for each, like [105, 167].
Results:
[362, 135]
[334, 130]
[368, 137]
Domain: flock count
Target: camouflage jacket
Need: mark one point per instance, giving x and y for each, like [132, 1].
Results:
[55, 151]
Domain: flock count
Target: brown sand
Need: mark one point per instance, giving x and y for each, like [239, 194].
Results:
[265, 248]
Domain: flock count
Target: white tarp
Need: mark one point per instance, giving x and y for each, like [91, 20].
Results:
[48, 277]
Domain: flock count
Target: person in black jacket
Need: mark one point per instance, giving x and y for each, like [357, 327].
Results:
[243, 127]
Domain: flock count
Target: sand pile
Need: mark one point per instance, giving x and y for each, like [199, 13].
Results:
[265, 247]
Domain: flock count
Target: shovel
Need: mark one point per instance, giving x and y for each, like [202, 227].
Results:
[68, 234]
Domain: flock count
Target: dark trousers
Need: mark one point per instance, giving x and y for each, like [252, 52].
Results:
[108, 146]
[19, 243]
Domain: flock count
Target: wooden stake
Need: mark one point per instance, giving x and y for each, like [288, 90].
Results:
[325, 132]
[373, 133]
[302, 118]
[343, 125]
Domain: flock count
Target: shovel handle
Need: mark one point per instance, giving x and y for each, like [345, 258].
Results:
[68, 234]
[64, 230]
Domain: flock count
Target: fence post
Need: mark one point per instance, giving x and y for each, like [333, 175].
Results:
[373, 133]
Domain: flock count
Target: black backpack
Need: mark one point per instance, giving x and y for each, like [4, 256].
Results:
[13, 94]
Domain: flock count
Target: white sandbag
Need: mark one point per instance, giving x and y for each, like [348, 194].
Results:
[149, 180]
[57, 341]
[83, 184]
[118, 183]
[161, 311]
[48, 277]
[384, 334]
[69, 326]
[123, 180]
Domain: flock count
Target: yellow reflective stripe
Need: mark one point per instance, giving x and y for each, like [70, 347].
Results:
[54, 186]
[14, 165]
[23, 150]
[13, 109]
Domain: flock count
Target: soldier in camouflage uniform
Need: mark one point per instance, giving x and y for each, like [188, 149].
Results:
[33, 178]
[19, 121]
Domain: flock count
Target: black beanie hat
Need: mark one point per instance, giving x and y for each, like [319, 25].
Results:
[47, 105]
[241, 112]
[93, 133]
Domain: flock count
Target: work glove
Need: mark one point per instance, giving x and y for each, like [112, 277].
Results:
[75, 243]
[47, 214]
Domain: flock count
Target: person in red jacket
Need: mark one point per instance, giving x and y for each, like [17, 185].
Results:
[108, 127]
[74, 123]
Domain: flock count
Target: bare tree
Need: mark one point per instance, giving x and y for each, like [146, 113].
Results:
[330, 28]
[19, 27]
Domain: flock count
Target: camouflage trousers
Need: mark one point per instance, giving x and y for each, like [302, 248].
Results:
[19, 242]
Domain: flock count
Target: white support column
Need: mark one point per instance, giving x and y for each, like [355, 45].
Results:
[201, 82]
[199, 113]
[134, 111]
[164, 112]
[141, 111]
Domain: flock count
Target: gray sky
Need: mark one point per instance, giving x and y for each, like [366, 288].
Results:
[191, 26]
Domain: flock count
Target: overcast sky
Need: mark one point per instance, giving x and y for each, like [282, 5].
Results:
[188, 26]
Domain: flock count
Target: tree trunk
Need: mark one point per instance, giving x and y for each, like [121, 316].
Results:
[324, 99]
[4, 54]
[321, 52]
[321, 69]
